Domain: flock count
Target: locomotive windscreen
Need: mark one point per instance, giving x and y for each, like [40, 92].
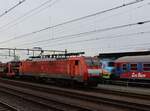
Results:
[92, 61]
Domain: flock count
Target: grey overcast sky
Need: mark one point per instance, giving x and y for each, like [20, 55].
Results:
[19, 22]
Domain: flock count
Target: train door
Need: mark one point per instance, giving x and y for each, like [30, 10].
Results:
[74, 68]
[77, 68]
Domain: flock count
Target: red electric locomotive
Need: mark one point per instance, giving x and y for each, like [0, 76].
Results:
[66, 68]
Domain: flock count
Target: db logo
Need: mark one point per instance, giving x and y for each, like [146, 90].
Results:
[138, 75]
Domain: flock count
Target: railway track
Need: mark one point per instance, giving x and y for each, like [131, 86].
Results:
[130, 83]
[6, 107]
[64, 99]
[122, 93]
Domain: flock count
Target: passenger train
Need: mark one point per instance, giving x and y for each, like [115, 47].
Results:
[133, 67]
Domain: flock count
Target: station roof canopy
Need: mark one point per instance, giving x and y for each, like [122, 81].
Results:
[121, 54]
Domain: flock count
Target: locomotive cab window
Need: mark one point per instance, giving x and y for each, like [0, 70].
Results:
[133, 67]
[146, 67]
[77, 62]
[92, 62]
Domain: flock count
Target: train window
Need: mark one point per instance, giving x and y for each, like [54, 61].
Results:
[76, 62]
[111, 64]
[118, 67]
[124, 67]
[146, 67]
[133, 67]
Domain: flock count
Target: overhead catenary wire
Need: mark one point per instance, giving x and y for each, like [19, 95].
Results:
[101, 12]
[82, 33]
[93, 31]
[81, 18]
[98, 38]
[137, 46]
[22, 49]
[33, 50]
[10, 9]
[70, 36]
[18, 20]
[143, 44]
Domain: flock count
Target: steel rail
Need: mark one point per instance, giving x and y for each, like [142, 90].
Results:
[41, 98]
[95, 98]
[6, 107]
